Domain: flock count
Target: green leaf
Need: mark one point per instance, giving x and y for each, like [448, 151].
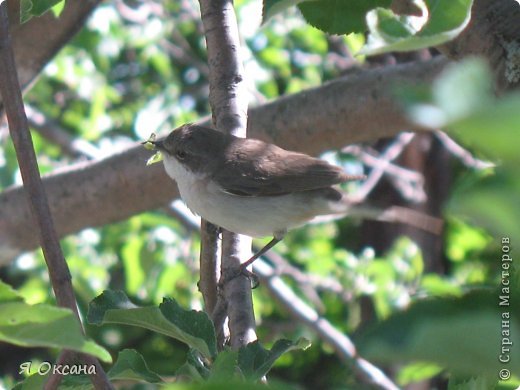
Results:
[130, 365]
[417, 372]
[148, 144]
[491, 204]
[272, 7]
[33, 382]
[30, 8]
[8, 294]
[339, 16]
[187, 370]
[255, 361]
[472, 383]
[463, 335]
[45, 326]
[390, 32]
[225, 366]
[157, 157]
[194, 325]
[462, 103]
[132, 255]
[191, 327]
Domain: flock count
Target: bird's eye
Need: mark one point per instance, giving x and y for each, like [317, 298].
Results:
[181, 154]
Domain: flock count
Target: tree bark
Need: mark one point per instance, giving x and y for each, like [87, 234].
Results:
[36, 42]
[228, 100]
[36, 197]
[97, 193]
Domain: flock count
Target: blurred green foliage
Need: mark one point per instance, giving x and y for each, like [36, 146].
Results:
[128, 74]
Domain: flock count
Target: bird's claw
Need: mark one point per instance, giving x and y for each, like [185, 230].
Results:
[241, 271]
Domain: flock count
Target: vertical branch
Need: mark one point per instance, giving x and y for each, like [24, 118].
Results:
[18, 128]
[208, 264]
[228, 100]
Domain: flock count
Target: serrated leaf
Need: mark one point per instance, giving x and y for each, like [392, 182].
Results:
[45, 326]
[472, 383]
[195, 325]
[463, 335]
[225, 366]
[391, 32]
[339, 16]
[189, 326]
[255, 361]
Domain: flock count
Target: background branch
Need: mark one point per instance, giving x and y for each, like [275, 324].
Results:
[341, 343]
[19, 129]
[32, 54]
[123, 179]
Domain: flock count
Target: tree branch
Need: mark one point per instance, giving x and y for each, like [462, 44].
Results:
[494, 24]
[228, 100]
[53, 33]
[348, 110]
[52, 131]
[19, 129]
[341, 343]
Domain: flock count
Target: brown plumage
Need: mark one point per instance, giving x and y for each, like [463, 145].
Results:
[250, 167]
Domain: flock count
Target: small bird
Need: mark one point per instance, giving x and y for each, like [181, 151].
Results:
[248, 186]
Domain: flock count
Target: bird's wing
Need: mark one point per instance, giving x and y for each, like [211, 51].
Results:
[260, 169]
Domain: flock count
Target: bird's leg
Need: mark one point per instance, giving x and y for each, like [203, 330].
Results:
[276, 239]
[242, 269]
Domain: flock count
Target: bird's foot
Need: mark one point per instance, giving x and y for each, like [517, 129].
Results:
[237, 272]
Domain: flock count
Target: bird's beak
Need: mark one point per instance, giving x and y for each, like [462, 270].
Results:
[159, 145]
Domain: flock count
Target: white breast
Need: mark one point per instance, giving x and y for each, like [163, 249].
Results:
[252, 216]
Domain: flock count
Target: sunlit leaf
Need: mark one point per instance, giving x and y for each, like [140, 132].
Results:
[339, 16]
[189, 326]
[45, 326]
[255, 361]
[8, 294]
[157, 157]
[445, 19]
[416, 372]
[30, 8]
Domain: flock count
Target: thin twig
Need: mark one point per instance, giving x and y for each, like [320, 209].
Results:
[409, 183]
[209, 265]
[390, 154]
[462, 154]
[53, 132]
[341, 343]
[18, 127]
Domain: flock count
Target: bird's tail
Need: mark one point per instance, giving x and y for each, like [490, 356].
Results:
[397, 214]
